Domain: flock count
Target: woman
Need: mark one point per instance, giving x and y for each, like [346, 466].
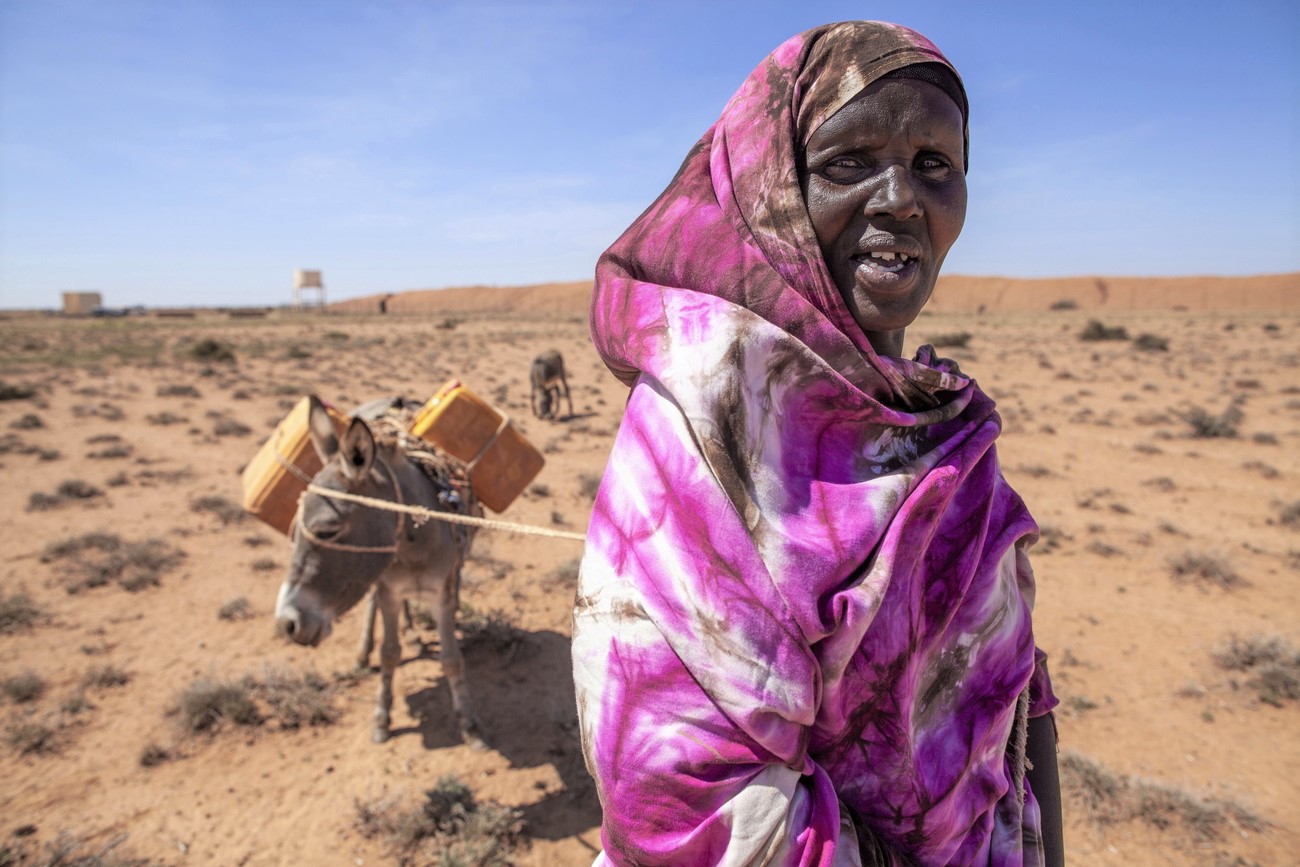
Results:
[802, 633]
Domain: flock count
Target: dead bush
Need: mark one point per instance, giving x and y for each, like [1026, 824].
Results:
[1206, 425]
[1110, 798]
[209, 349]
[1151, 343]
[1095, 331]
[589, 484]
[1289, 514]
[206, 704]
[178, 389]
[1205, 568]
[953, 340]
[238, 608]
[96, 559]
[166, 418]
[493, 629]
[449, 828]
[31, 738]
[1273, 666]
[22, 688]
[105, 677]
[296, 699]
[17, 611]
[224, 509]
[27, 421]
[15, 391]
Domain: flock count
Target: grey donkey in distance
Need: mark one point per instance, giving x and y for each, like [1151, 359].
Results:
[546, 379]
[342, 550]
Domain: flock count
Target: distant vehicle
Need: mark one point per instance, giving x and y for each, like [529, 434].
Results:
[108, 312]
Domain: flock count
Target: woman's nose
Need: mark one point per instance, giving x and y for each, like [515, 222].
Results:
[893, 194]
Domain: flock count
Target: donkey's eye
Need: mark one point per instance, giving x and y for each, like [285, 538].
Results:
[327, 531]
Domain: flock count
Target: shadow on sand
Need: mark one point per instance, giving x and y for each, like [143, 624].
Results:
[528, 725]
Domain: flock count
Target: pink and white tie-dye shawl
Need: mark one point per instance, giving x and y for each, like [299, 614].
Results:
[804, 610]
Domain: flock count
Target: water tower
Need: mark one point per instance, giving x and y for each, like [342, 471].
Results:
[308, 289]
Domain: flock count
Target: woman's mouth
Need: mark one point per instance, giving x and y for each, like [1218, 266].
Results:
[886, 271]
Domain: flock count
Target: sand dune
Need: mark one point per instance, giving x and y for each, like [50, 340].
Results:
[955, 294]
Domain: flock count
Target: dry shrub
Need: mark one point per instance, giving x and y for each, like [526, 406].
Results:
[566, 573]
[493, 629]
[297, 699]
[27, 421]
[178, 390]
[1289, 515]
[31, 738]
[206, 703]
[67, 851]
[230, 427]
[96, 559]
[166, 418]
[1065, 304]
[238, 608]
[450, 828]
[15, 391]
[954, 340]
[589, 484]
[1095, 331]
[105, 677]
[1206, 425]
[153, 755]
[209, 349]
[224, 509]
[1273, 664]
[1110, 798]
[1151, 343]
[17, 611]
[1204, 568]
[22, 688]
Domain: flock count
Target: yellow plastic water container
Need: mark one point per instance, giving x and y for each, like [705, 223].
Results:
[271, 487]
[461, 423]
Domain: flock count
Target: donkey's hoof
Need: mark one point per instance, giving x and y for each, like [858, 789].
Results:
[379, 734]
[472, 735]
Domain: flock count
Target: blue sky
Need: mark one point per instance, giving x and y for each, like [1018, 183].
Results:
[197, 151]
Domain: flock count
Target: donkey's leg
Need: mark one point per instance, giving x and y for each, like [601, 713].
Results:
[390, 654]
[453, 663]
[567, 396]
[367, 634]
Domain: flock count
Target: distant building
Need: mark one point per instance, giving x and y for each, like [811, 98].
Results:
[308, 289]
[81, 303]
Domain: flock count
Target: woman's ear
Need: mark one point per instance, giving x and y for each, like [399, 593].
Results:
[357, 450]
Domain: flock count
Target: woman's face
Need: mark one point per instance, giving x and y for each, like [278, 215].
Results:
[884, 180]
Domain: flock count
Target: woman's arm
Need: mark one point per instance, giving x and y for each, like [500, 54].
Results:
[1043, 779]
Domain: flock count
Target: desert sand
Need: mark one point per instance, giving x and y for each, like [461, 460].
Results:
[1161, 544]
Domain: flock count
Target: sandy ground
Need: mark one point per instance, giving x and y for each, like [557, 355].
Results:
[1095, 439]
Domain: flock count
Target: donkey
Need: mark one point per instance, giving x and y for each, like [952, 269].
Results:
[546, 377]
[343, 549]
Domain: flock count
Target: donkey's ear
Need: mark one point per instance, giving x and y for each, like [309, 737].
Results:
[357, 450]
[321, 428]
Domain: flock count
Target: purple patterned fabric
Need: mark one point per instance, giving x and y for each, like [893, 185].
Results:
[803, 619]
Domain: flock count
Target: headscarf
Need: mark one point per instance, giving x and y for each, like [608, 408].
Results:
[804, 609]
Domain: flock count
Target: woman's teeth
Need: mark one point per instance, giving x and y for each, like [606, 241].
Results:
[878, 260]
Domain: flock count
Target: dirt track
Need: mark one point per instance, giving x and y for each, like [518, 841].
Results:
[1096, 439]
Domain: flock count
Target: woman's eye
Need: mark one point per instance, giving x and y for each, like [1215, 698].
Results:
[843, 169]
[933, 166]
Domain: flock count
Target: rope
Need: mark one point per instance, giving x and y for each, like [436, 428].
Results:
[301, 526]
[449, 517]
[473, 462]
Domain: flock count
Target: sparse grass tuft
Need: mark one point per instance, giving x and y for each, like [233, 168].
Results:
[238, 608]
[27, 421]
[210, 350]
[96, 559]
[297, 699]
[205, 704]
[15, 391]
[954, 340]
[17, 611]
[1273, 664]
[1289, 515]
[66, 851]
[450, 828]
[178, 389]
[224, 509]
[22, 688]
[589, 484]
[1110, 798]
[1207, 425]
[153, 755]
[1065, 304]
[493, 629]
[1095, 331]
[1205, 568]
[230, 427]
[105, 677]
[1151, 343]
[31, 738]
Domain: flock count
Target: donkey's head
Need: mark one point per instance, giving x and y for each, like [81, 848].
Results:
[340, 548]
